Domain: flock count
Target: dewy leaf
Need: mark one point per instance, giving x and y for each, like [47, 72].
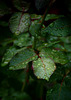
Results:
[43, 68]
[23, 40]
[20, 60]
[66, 39]
[9, 54]
[56, 55]
[35, 16]
[35, 28]
[19, 23]
[60, 27]
[59, 93]
[52, 16]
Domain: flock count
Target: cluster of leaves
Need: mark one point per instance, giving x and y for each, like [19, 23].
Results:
[36, 54]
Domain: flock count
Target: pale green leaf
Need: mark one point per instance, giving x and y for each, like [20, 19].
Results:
[43, 68]
[19, 23]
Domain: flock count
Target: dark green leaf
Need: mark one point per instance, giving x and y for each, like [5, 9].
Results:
[35, 16]
[59, 47]
[20, 5]
[66, 39]
[35, 28]
[9, 54]
[21, 60]
[52, 16]
[67, 47]
[68, 4]
[56, 55]
[19, 23]
[4, 9]
[41, 3]
[59, 93]
[60, 27]
[23, 40]
[3, 23]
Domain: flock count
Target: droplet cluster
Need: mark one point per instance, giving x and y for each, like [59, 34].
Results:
[43, 70]
[21, 60]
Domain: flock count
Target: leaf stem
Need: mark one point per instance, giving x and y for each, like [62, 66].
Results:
[46, 11]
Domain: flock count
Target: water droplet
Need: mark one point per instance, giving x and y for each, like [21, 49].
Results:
[39, 64]
[5, 62]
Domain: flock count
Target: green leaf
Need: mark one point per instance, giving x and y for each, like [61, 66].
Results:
[43, 68]
[59, 47]
[19, 23]
[35, 28]
[56, 55]
[35, 16]
[47, 45]
[60, 27]
[66, 39]
[20, 5]
[20, 60]
[52, 16]
[59, 93]
[23, 40]
[67, 47]
[9, 54]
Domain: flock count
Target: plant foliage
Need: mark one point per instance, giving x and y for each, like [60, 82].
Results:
[35, 51]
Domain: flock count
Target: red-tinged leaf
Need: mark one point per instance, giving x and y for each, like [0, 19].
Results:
[19, 23]
[43, 68]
